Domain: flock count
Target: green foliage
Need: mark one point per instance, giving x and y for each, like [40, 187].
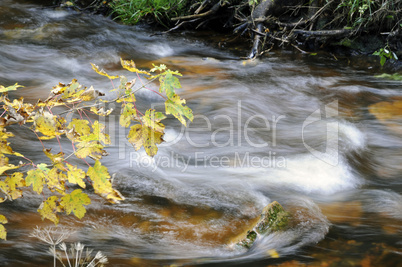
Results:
[132, 11]
[395, 76]
[384, 54]
[87, 137]
[358, 10]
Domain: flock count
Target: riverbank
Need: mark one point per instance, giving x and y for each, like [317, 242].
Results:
[338, 27]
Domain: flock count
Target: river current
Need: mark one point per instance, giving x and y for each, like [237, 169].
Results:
[299, 129]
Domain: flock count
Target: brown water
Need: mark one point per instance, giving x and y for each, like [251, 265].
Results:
[288, 127]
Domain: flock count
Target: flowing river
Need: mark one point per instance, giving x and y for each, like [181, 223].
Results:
[306, 131]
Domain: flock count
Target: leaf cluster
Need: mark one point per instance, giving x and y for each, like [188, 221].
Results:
[61, 183]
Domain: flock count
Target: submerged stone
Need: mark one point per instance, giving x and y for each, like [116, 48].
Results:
[273, 218]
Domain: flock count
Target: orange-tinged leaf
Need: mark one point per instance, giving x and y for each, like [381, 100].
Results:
[75, 175]
[49, 209]
[75, 202]
[102, 72]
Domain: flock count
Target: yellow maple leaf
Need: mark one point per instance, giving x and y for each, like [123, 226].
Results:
[49, 208]
[98, 130]
[9, 88]
[56, 180]
[3, 232]
[128, 114]
[75, 175]
[101, 182]
[140, 135]
[130, 66]
[102, 72]
[10, 185]
[45, 123]
[79, 126]
[89, 148]
[75, 202]
[36, 178]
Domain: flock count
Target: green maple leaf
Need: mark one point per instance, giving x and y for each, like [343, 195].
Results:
[36, 178]
[75, 202]
[175, 107]
[49, 209]
[168, 83]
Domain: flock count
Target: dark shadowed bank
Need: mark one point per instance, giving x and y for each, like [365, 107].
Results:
[340, 27]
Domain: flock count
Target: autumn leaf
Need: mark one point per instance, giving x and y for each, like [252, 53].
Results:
[56, 180]
[89, 94]
[101, 111]
[45, 123]
[80, 126]
[3, 232]
[72, 91]
[128, 114]
[135, 136]
[36, 178]
[8, 167]
[98, 131]
[168, 83]
[9, 88]
[152, 120]
[56, 159]
[75, 175]
[175, 107]
[130, 66]
[102, 72]
[11, 183]
[49, 208]
[75, 202]
[101, 182]
[140, 135]
[89, 148]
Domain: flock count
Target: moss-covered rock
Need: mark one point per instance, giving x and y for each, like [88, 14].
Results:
[273, 218]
